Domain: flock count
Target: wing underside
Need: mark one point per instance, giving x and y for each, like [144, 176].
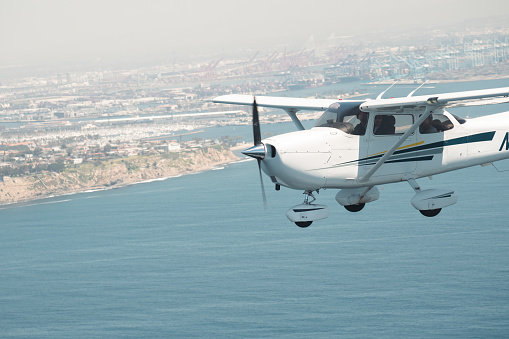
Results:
[286, 103]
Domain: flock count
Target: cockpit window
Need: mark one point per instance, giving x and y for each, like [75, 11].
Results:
[459, 119]
[439, 123]
[345, 118]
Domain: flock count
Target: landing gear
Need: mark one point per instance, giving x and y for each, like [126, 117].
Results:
[303, 224]
[355, 208]
[354, 199]
[304, 214]
[431, 201]
[430, 213]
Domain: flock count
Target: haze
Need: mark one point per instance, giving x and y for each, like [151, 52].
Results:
[58, 31]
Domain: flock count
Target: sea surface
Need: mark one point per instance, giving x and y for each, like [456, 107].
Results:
[197, 256]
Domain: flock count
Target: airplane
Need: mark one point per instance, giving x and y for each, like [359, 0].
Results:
[357, 145]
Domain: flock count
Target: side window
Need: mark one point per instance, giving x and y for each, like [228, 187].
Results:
[435, 123]
[384, 124]
[388, 124]
[403, 123]
[441, 122]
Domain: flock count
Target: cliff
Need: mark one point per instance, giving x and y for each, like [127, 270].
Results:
[114, 173]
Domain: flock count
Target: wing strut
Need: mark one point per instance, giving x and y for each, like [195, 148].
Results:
[429, 109]
[292, 112]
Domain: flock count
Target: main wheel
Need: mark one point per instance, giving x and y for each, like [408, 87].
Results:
[430, 213]
[355, 208]
[303, 224]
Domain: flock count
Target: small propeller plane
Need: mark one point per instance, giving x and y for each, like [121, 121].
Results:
[358, 144]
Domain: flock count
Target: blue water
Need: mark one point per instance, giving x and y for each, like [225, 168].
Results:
[199, 256]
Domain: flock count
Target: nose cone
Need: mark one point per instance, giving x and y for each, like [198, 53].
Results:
[257, 151]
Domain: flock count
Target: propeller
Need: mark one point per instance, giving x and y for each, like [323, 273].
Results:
[261, 182]
[257, 134]
[258, 150]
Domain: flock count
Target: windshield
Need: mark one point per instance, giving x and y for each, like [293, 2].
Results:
[340, 115]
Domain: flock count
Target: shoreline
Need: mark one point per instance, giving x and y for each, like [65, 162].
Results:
[41, 199]
[20, 190]
[439, 81]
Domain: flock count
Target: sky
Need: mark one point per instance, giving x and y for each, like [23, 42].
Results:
[59, 31]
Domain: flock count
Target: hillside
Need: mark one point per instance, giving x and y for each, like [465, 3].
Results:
[114, 173]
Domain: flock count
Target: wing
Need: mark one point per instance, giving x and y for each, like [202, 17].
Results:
[419, 103]
[286, 103]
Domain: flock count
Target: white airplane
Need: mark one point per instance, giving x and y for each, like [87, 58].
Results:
[359, 144]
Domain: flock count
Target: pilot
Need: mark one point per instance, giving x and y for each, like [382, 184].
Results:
[378, 124]
[360, 128]
[384, 125]
[426, 127]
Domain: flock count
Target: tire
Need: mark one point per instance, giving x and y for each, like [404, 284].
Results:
[430, 213]
[355, 208]
[303, 224]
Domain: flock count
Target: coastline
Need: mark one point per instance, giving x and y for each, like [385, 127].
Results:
[123, 172]
[450, 78]
[113, 174]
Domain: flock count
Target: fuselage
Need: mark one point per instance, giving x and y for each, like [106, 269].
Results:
[336, 157]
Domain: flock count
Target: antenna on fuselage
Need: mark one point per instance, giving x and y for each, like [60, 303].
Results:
[380, 95]
[415, 90]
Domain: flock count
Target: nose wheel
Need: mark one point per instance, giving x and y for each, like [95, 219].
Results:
[355, 208]
[304, 214]
[308, 194]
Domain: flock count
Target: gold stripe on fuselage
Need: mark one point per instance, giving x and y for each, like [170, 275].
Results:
[399, 148]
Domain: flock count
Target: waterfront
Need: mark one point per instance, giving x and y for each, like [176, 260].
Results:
[234, 130]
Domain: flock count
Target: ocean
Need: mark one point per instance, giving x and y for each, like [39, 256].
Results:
[197, 256]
